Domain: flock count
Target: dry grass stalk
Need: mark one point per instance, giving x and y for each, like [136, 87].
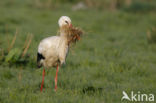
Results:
[128, 2]
[89, 3]
[20, 74]
[2, 52]
[45, 4]
[25, 43]
[13, 40]
[151, 35]
[148, 35]
[48, 4]
[7, 36]
[38, 3]
[27, 46]
[113, 5]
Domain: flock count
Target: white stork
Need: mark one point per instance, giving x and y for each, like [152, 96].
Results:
[52, 51]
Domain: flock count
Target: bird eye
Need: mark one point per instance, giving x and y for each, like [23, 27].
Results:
[66, 22]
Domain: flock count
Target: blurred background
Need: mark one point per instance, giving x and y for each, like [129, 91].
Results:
[117, 52]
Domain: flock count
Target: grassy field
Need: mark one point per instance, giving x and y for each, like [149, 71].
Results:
[113, 56]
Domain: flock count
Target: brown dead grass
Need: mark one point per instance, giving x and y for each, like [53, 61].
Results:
[73, 34]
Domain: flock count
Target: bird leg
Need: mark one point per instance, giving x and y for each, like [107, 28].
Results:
[43, 74]
[56, 77]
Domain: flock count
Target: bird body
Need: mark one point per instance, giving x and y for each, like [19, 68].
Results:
[54, 50]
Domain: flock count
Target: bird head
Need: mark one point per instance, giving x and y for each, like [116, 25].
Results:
[64, 21]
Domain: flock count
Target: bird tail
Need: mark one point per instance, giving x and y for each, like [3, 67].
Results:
[39, 58]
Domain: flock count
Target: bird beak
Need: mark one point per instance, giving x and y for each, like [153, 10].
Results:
[70, 25]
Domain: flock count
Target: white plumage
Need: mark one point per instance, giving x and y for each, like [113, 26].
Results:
[55, 48]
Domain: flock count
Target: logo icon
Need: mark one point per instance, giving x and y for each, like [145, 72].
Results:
[125, 96]
[137, 96]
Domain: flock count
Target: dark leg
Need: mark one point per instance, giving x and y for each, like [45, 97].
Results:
[56, 77]
[43, 74]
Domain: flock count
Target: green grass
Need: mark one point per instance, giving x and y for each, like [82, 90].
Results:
[114, 55]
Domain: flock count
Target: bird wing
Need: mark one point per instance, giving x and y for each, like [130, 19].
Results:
[48, 43]
[54, 47]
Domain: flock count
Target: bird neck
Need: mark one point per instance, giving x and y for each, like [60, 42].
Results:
[63, 37]
[63, 32]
